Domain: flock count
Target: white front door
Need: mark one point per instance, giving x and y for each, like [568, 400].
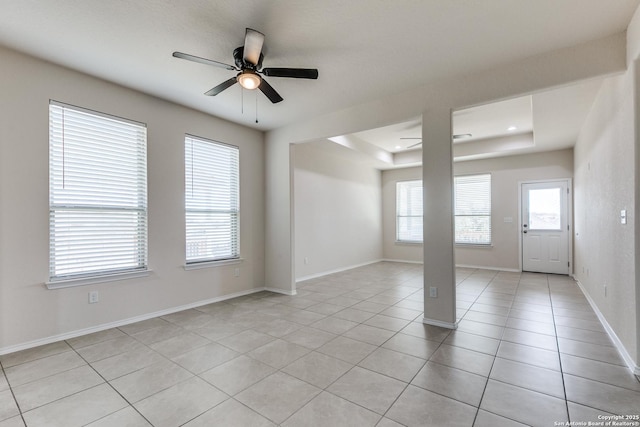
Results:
[545, 227]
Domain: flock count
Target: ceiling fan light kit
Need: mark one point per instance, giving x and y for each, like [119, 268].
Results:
[249, 79]
[248, 61]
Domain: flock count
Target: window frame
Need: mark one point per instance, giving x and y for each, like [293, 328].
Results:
[76, 193]
[483, 244]
[408, 185]
[234, 201]
[484, 214]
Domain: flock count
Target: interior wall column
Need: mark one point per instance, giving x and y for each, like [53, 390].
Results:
[279, 263]
[636, 218]
[437, 178]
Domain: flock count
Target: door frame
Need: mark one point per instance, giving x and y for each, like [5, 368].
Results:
[569, 182]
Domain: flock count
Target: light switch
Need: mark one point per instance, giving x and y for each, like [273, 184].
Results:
[623, 216]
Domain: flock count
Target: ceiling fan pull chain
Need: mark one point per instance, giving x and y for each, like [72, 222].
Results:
[256, 107]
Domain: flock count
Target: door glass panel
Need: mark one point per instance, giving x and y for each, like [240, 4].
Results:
[544, 209]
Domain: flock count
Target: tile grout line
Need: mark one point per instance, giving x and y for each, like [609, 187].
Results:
[345, 373]
[15, 400]
[325, 389]
[580, 376]
[564, 386]
[109, 383]
[229, 397]
[555, 336]
[380, 346]
[137, 370]
[484, 390]
[409, 382]
[416, 374]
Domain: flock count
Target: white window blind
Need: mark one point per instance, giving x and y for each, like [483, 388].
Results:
[473, 209]
[97, 194]
[211, 200]
[409, 211]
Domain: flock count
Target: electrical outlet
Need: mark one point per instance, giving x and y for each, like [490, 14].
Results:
[306, 260]
[433, 292]
[93, 297]
[236, 272]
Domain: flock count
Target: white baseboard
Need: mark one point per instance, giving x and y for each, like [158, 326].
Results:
[104, 326]
[281, 291]
[482, 267]
[337, 270]
[403, 261]
[440, 323]
[616, 341]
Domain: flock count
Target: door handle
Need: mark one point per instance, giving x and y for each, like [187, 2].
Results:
[525, 231]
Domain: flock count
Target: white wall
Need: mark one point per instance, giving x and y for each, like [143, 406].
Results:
[633, 61]
[506, 173]
[605, 183]
[337, 210]
[28, 311]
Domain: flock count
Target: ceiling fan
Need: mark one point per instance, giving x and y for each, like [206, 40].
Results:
[460, 136]
[248, 61]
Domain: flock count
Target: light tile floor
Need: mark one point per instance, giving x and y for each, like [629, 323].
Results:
[349, 349]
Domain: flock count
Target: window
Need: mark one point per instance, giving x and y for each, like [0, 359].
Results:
[97, 194]
[211, 200]
[473, 209]
[472, 194]
[409, 211]
[545, 212]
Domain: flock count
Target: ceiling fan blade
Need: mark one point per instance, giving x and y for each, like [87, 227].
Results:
[415, 145]
[203, 60]
[253, 41]
[296, 73]
[222, 86]
[269, 92]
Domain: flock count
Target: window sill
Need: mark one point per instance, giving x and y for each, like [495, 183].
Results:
[211, 264]
[404, 242]
[474, 245]
[82, 281]
[457, 245]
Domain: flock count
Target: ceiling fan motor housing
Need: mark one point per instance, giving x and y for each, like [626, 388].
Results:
[238, 56]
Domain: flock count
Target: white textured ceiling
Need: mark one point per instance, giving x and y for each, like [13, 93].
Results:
[364, 49]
